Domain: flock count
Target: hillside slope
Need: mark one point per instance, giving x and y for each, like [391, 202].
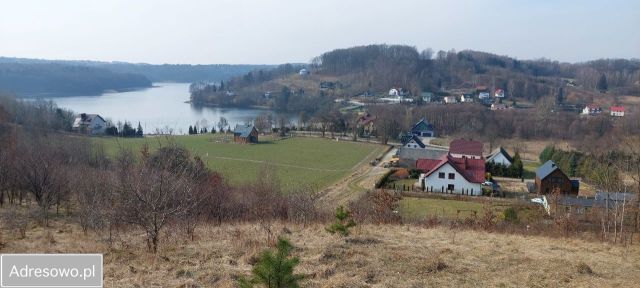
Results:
[374, 256]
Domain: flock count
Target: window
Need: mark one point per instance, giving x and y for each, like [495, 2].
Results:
[441, 175]
[450, 187]
[452, 176]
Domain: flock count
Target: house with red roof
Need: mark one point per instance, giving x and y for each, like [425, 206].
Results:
[366, 124]
[591, 109]
[451, 175]
[499, 93]
[463, 148]
[617, 111]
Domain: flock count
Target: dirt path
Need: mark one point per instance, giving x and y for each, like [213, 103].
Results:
[363, 178]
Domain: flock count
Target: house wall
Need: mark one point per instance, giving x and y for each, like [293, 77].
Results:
[616, 113]
[413, 145]
[547, 185]
[97, 126]
[434, 184]
[501, 160]
[455, 155]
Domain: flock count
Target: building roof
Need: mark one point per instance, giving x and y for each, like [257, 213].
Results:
[593, 107]
[422, 126]
[243, 130]
[366, 119]
[86, 119]
[617, 109]
[467, 147]
[498, 151]
[414, 138]
[427, 165]
[546, 169]
[415, 154]
[473, 170]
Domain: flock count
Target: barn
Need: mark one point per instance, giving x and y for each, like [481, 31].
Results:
[245, 134]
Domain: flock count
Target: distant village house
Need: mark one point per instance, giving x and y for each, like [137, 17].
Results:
[452, 175]
[550, 178]
[423, 129]
[591, 109]
[245, 134]
[462, 148]
[500, 156]
[91, 124]
[617, 111]
[498, 106]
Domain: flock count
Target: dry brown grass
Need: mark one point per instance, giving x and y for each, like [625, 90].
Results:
[374, 256]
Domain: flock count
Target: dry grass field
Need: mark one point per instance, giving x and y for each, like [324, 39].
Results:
[374, 256]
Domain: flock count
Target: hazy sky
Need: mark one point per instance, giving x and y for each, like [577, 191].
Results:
[278, 31]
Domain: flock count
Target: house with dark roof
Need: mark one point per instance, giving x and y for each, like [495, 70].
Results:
[413, 142]
[462, 148]
[245, 134]
[549, 177]
[423, 129]
[463, 176]
[91, 124]
[500, 156]
[592, 109]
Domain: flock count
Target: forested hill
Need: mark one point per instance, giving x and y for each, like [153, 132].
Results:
[159, 73]
[374, 69]
[384, 66]
[54, 79]
[182, 72]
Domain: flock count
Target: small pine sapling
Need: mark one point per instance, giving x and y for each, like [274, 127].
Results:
[343, 222]
[274, 270]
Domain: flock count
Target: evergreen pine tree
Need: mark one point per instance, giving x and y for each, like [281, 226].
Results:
[190, 130]
[547, 153]
[139, 131]
[517, 166]
[602, 83]
[343, 223]
[275, 270]
[573, 165]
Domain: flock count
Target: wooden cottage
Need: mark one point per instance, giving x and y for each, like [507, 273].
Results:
[549, 177]
[245, 134]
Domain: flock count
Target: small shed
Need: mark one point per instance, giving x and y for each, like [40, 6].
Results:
[245, 134]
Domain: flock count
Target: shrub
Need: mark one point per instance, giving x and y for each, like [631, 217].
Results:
[274, 270]
[510, 215]
[343, 223]
[385, 178]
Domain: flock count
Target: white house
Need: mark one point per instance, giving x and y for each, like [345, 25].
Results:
[591, 109]
[498, 106]
[450, 99]
[92, 124]
[500, 156]
[499, 93]
[617, 111]
[303, 72]
[466, 98]
[413, 142]
[451, 175]
[484, 95]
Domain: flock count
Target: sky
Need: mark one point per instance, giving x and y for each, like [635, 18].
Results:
[281, 31]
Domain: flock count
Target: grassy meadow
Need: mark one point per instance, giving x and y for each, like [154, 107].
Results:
[299, 162]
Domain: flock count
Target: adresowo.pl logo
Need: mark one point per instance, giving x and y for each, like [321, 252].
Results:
[51, 270]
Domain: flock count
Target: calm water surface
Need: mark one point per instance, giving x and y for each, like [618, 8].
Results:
[161, 107]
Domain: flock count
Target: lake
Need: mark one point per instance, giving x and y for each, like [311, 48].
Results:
[160, 107]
